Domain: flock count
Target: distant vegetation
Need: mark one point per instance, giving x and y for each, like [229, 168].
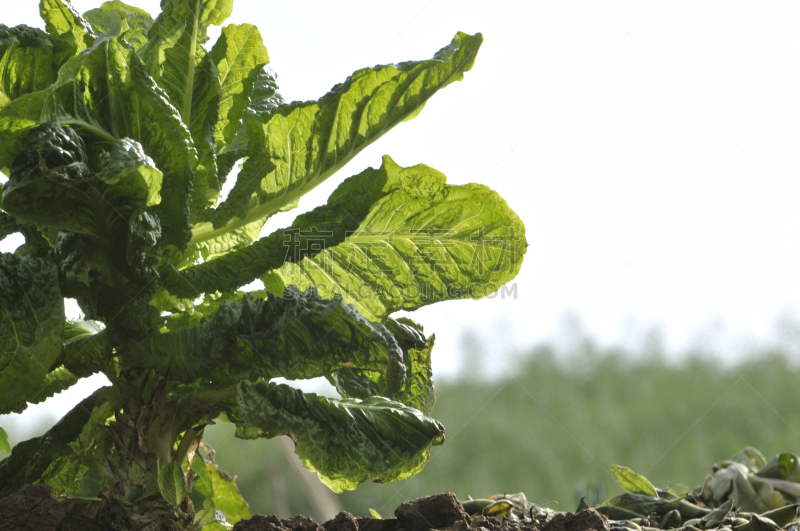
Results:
[554, 430]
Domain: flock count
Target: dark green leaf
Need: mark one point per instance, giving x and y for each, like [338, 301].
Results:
[169, 143]
[8, 225]
[345, 441]
[62, 102]
[417, 391]
[86, 349]
[172, 482]
[57, 380]
[31, 326]
[296, 336]
[131, 105]
[133, 175]
[205, 111]
[50, 183]
[30, 459]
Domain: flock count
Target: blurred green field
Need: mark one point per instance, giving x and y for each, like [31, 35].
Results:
[553, 429]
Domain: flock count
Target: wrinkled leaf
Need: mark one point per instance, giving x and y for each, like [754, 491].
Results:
[136, 21]
[345, 441]
[69, 31]
[421, 241]
[297, 336]
[31, 327]
[238, 53]
[132, 174]
[86, 349]
[174, 50]
[389, 239]
[417, 391]
[26, 57]
[301, 144]
[57, 380]
[30, 459]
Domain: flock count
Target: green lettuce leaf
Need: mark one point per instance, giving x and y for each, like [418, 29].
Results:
[227, 499]
[70, 32]
[416, 392]
[401, 236]
[52, 185]
[215, 486]
[106, 92]
[31, 327]
[57, 380]
[239, 54]
[64, 475]
[30, 459]
[8, 225]
[128, 102]
[62, 102]
[421, 242]
[136, 21]
[264, 99]
[86, 349]
[26, 62]
[296, 336]
[172, 482]
[132, 174]
[176, 59]
[307, 142]
[345, 441]
[175, 50]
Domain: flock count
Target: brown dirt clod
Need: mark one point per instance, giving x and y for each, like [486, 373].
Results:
[585, 520]
[374, 524]
[32, 508]
[260, 522]
[440, 511]
[342, 522]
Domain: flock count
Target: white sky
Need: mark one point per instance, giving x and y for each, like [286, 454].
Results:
[651, 148]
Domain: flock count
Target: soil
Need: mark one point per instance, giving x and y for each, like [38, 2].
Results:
[34, 508]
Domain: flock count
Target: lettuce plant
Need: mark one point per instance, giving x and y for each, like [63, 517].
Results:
[117, 134]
